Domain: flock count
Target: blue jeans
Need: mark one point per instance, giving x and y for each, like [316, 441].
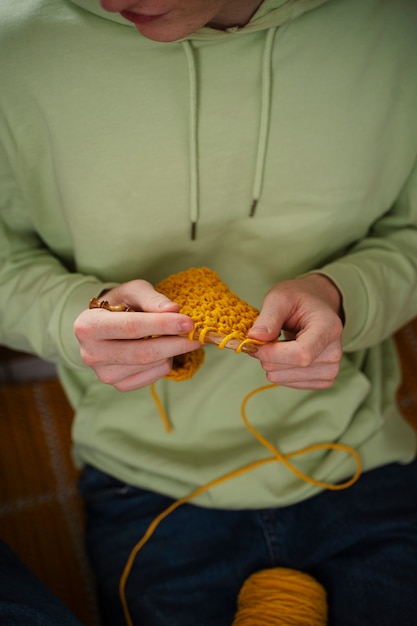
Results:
[24, 601]
[361, 544]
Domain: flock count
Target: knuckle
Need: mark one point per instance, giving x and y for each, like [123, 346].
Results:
[141, 283]
[268, 367]
[88, 358]
[325, 384]
[165, 368]
[120, 386]
[335, 370]
[330, 379]
[153, 300]
[107, 378]
[80, 328]
[304, 358]
[271, 377]
[131, 326]
[146, 354]
[337, 355]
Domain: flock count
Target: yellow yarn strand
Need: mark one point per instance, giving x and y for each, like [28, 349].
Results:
[161, 409]
[283, 458]
[277, 456]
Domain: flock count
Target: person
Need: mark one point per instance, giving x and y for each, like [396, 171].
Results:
[274, 143]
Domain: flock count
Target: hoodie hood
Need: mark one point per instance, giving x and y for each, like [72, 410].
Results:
[271, 14]
[269, 17]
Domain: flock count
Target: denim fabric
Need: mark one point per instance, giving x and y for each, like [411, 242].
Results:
[24, 601]
[360, 543]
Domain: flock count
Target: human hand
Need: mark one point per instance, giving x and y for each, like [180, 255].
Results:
[109, 341]
[309, 311]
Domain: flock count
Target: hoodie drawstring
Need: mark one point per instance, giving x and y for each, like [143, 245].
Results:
[266, 86]
[193, 138]
[265, 114]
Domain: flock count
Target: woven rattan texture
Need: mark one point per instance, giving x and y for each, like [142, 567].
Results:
[41, 516]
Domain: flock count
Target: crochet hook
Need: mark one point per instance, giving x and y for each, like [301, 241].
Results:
[200, 334]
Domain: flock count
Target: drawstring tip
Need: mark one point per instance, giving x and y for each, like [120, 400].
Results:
[193, 231]
[253, 208]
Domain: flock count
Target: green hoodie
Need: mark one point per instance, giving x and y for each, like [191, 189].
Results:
[111, 145]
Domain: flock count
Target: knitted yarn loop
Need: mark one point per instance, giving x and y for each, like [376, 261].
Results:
[219, 316]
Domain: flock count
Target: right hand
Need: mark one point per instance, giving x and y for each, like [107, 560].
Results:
[132, 350]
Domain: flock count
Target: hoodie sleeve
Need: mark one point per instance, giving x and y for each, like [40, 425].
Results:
[39, 298]
[378, 276]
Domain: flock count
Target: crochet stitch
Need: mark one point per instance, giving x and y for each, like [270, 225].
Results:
[220, 316]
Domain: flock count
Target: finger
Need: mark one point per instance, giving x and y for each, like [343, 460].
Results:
[287, 355]
[309, 385]
[102, 325]
[143, 353]
[129, 378]
[325, 372]
[142, 379]
[112, 374]
[308, 348]
[150, 300]
[140, 295]
[267, 326]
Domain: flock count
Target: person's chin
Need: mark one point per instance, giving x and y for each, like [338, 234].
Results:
[157, 34]
[155, 27]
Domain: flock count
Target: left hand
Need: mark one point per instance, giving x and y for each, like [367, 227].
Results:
[309, 311]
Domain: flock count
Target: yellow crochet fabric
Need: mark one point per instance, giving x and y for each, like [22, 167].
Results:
[216, 311]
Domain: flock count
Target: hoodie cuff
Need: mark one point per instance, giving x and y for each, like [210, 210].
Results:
[61, 323]
[356, 303]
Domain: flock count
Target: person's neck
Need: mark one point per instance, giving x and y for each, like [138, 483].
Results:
[237, 13]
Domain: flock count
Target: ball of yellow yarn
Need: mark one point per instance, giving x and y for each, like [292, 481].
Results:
[281, 597]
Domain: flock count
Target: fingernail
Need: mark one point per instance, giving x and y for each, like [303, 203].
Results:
[166, 304]
[185, 326]
[260, 329]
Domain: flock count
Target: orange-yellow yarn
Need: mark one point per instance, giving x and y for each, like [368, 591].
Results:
[281, 596]
[272, 597]
[213, 307]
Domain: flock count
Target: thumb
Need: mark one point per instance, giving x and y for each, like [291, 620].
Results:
[142, 296]
[268, 324]
[153, 301]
